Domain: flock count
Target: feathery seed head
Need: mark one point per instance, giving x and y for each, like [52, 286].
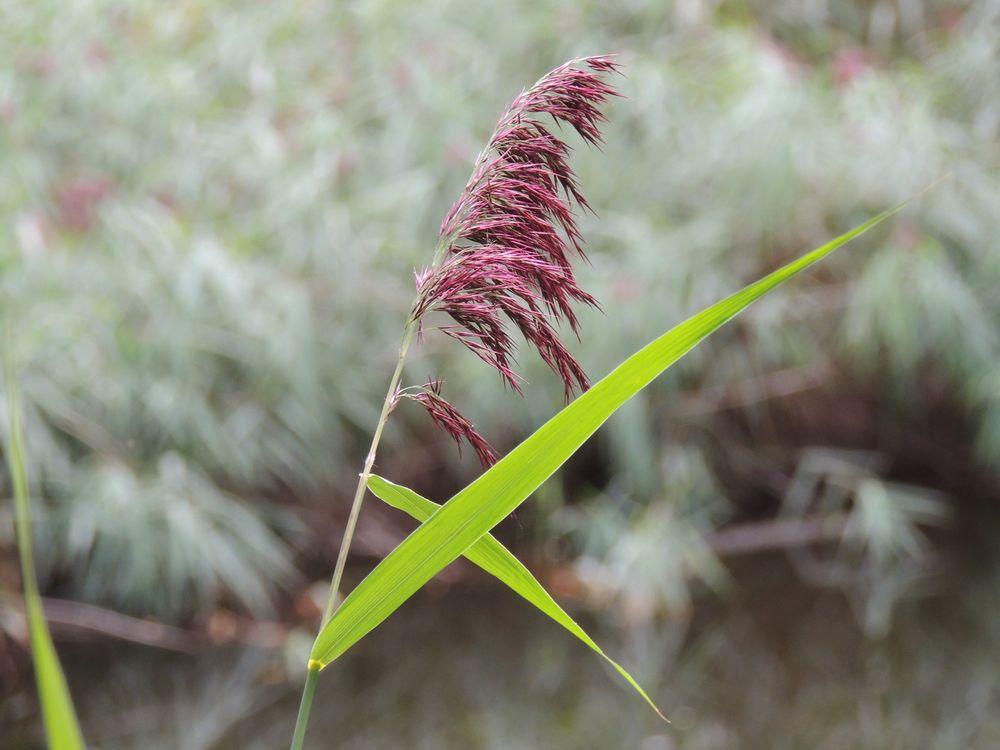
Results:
[505, 247]
[508, 241]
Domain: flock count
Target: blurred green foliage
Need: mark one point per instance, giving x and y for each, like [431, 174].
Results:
[210, 213]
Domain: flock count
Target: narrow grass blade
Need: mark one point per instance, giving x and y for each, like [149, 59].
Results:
[61, 726]
[489, 499]
[498, 561]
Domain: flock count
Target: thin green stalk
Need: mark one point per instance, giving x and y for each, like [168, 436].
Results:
[345, 545]
[359, 493]
[304, 707]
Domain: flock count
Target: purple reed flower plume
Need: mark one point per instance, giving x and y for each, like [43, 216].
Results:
[505, 247]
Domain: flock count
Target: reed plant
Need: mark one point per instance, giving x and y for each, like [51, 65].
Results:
[504, 264]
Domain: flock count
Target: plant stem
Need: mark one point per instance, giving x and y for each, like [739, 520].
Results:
[359, 493]
[304, 707]
[345, 545]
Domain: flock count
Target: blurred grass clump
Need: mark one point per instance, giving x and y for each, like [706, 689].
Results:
[210, 213]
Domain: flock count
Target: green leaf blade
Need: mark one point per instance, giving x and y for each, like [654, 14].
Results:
[62, 729]
[470, 514]
[490, 555]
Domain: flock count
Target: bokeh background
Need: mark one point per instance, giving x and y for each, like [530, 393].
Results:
[210, 214]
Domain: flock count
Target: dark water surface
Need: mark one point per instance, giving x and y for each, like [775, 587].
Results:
[773, 666]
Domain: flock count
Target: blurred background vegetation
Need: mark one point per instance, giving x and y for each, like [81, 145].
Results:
[210, 214]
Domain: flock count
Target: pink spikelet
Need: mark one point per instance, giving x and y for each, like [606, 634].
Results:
[451, 421]
[509, 239]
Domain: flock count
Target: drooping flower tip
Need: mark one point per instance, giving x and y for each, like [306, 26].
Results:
[451, 421]
[509, 239]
